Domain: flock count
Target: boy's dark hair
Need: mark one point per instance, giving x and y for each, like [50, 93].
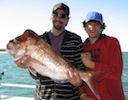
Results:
[103, 25]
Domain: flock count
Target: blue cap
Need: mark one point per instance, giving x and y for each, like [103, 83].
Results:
[96, 16]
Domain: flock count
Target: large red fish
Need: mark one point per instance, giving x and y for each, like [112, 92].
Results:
[31, 51]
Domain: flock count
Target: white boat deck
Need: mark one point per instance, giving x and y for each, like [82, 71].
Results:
[15, 98]
[6, 97]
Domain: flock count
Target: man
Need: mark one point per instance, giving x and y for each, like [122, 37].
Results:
[69, 45]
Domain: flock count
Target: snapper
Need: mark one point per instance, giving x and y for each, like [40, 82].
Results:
[32, 52]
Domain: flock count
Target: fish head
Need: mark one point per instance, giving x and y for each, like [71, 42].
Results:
[17, 47]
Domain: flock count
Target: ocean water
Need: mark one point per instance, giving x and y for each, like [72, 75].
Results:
[17, 82]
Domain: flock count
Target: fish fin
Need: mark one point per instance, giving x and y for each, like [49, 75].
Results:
[32, 71]
[20, 62]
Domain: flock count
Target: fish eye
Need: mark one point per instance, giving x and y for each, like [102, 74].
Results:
[17, 40]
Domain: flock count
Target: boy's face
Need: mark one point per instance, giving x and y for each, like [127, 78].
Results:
[93, 28]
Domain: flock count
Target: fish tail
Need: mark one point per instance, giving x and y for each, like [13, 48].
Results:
[92, 79]
[100, 75]
[88, 78]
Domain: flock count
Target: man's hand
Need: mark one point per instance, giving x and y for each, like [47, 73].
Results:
[74, 77]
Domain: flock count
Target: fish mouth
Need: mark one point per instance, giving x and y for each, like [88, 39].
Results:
[19, 57]
[16, 56]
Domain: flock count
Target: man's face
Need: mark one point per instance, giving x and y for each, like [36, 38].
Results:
[59, 19]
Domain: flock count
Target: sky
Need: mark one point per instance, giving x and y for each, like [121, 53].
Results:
[18, 15]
